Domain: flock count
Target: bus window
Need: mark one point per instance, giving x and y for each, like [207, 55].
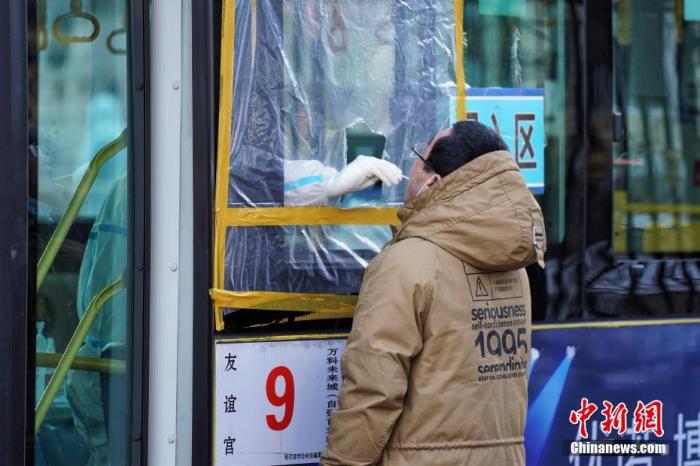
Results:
[534, 44]
[309, 86]
[656, 164]
[644, 261]
[78, 98]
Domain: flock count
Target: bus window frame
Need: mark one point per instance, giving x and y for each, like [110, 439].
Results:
[631, 259]
[206, 35]
[18, 267]
[18, 287]
[139, 224]
[599, 137]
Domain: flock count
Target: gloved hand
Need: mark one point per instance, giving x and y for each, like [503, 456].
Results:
[362, 173]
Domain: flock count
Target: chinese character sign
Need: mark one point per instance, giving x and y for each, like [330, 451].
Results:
[332, 383]
[517, 114]
[273, 400]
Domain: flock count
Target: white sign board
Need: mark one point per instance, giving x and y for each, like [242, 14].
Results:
[273, 400]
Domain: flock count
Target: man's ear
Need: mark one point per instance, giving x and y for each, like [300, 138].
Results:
[434, 179]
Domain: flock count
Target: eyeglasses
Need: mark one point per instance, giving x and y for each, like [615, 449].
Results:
[418, 149]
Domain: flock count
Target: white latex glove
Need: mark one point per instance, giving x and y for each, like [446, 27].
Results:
[362, 173]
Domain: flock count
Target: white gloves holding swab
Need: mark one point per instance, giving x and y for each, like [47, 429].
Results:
[362, 173]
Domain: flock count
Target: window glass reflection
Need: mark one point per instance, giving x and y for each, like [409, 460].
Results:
[79, 99]
[656, 168]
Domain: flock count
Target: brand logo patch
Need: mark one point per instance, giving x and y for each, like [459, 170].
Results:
[494, 285]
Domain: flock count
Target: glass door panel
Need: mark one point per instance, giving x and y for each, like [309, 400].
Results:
[79, 93]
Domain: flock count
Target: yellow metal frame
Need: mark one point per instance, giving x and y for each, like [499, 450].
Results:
[314, 336]
[226, 217]
[657, 238]
[282, 216]
[82, 363]
[460, 72]
[617, 324]
[334, 306]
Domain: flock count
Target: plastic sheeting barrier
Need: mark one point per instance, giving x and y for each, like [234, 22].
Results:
[298, 78]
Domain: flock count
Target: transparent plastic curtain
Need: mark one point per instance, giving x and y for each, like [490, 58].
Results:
[307, 74]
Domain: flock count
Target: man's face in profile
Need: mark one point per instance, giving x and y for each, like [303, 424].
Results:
[421, 176]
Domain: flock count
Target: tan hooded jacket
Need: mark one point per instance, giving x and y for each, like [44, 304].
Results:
[435, 369]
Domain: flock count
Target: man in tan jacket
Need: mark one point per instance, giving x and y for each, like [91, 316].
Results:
[435, 369]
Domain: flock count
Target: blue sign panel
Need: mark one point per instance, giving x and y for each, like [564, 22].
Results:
[516, 8]
[517, 114]
[619, 365]
[691, 10]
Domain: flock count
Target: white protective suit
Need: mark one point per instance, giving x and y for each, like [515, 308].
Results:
[105, 257]
[309, 182]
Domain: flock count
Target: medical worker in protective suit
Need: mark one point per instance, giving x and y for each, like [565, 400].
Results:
[435, 369]
[103, 262]
[105, 258]
[309, 182]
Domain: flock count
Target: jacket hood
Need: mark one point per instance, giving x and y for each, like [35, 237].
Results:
[483, 213]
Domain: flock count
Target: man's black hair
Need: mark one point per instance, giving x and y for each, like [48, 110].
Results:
[468, 140]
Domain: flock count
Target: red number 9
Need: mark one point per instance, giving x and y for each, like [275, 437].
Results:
[286, 399]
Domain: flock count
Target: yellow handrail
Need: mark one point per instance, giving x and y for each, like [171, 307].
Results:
[69, 355]
[76, 202]
[82, 363]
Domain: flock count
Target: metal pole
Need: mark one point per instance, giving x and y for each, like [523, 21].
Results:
[76, 202]
[72, 349]
[81, 363]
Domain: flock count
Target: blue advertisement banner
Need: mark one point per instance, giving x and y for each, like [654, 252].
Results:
[620, 365]
[517, 114]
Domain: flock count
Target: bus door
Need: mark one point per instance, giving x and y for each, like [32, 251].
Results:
[86, 170]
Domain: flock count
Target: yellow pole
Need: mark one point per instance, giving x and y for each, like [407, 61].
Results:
[76, 202]
[459, 60]
[81, 363]
[72, 349]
